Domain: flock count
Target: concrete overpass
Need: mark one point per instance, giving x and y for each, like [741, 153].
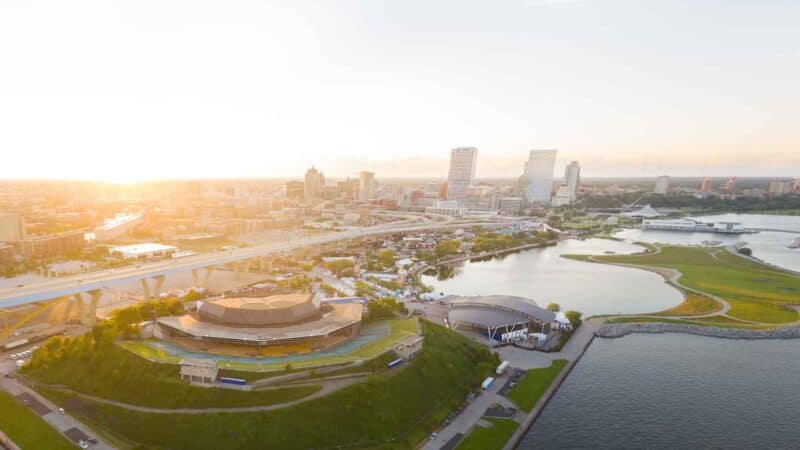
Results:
[74, 287]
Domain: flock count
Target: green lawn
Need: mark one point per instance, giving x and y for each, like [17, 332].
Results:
[26, 428]
[714, 321]
[755, 291]
[533, 385]
[489, 438]
[116, 374]
[694, 304]
[397, 411]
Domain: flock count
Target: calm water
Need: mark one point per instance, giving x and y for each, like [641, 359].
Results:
[544, 276]
[676, 391]
[769, 246]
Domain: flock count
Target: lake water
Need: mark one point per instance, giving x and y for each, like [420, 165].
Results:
[676, 391]
[768, 246]
[543, 275]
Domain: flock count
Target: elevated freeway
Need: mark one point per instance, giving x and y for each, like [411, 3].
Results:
[93, 282]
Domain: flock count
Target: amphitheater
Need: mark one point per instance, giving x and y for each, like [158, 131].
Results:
[263, 326]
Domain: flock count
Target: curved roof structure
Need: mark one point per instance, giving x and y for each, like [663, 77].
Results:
[496, 308]
[276, 310]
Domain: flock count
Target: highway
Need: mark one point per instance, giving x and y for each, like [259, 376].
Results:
[90, 281]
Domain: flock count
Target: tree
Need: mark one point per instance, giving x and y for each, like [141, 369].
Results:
[340, 267]
[447, 248]
[574, 318]
[555, 307]
[387, 257]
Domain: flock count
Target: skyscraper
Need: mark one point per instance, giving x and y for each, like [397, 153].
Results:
[539, 173]
[572, 178]
[462, 172]
[314, 184]
[662, 185]
[366, 185]
[730, 185]
[706, 185]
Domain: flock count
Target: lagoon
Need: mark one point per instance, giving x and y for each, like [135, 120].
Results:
[544, 276]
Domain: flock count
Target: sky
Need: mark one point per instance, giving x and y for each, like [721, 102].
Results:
[152, 89]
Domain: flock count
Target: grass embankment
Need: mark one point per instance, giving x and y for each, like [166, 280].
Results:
[397, 411]
[756, 292]
[27, 429]
[713, 321]
[399, 329]
[489, 438]
[113, 373]
[533, 385]
[695, 304]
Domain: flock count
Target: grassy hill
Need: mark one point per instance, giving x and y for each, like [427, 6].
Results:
[105, 370]
[27, 429]
[394, 411]
[756, 292]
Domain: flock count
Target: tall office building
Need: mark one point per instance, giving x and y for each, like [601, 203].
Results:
[662, 185]
[780, 186]
[572, 178]
[730, 185]
[12, 227]
[706, 185]
[366, 186]
[539, 173]
[314, 184]
[462, 172]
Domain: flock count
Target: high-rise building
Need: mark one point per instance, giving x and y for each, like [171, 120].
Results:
[730, 185]
[662, 185]
[780, 186]
[706, 185]
[366, 186]
[796, 185]
[314, 184]
[462, 172]
[539, 173]
[295, 190]
[347, 189]
[572, 178]
[12, 227]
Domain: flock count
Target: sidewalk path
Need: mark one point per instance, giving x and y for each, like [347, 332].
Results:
[63, 423]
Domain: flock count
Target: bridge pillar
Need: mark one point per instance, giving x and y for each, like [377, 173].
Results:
[90, 318]
[158, 283]
[145, 288]
[209, 271]
[68, 308]
[78, 299]
[196, 278]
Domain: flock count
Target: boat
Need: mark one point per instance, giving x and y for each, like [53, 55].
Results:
[795, 244]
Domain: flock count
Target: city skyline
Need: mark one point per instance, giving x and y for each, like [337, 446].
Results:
[704, 90]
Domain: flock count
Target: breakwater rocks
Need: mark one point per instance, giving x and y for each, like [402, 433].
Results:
[615, 330]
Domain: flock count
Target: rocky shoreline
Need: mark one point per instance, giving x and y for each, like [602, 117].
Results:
[617, 330]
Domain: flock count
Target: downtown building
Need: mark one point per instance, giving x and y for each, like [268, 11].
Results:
[662, 185]
[539, 176]
[462, 173]
[314, 185]
[366, 186]
[568, 192]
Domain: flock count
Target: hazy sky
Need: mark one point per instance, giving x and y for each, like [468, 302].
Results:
[144, 89]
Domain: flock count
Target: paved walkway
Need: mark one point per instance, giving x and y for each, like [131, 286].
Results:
[464, 422]
[64, 423]
[328, 387]
[521, 359]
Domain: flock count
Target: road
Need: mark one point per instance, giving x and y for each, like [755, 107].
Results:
[63, 423]
[65, 286]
